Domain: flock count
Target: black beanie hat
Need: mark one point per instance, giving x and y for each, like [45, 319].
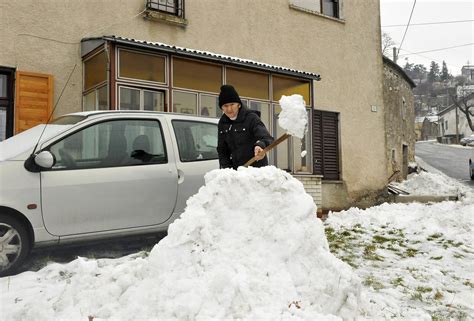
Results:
[227, 95]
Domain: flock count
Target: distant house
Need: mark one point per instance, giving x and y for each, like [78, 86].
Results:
[468, 72]
[399, 119]
[426, 128]
[449, 128]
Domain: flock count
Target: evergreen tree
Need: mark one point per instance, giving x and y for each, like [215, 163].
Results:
[434, 73]
[444, 72]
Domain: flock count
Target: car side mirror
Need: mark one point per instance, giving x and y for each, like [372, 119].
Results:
[45, 159]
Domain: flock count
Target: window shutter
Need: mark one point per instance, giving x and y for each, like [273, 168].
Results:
[326, 144]
[33, 99]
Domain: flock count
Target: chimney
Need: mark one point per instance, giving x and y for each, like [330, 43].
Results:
[395, 54]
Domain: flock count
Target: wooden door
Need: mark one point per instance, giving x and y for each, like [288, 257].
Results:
[33, 99]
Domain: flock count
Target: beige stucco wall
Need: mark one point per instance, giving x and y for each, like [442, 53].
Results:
[345, 53]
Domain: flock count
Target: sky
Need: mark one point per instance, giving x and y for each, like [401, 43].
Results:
[421, 38]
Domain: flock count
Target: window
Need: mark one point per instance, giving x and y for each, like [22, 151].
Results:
[331, 8]
[141, 99]
[249, 83]
[172, 7]
[184, 102]
[265, 111]
[111, 144]
[197, 141]
[142, 66]
[446, 125]
[95, 70]
[210, 106]
[96, 99]
[196, 75]
[404, 108]
[289, 86]
[326, 144]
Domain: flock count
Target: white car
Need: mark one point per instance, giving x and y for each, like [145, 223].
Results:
[467, 141]
[95, 175]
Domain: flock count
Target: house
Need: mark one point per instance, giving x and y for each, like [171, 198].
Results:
[453, 124]
[174, 55]
[426, 128]
[468, 72]
[399, 119]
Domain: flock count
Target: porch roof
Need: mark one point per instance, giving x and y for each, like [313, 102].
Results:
[86, 46]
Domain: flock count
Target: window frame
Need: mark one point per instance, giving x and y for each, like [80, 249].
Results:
[177, 139]
[179, 7]
[136, 80]
[62, 138]
[142, 100]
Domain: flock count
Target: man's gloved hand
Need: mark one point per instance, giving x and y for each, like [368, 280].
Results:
[259, 153]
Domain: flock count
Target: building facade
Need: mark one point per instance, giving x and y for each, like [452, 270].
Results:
[174, 55]
[453, 124]
[399, 119]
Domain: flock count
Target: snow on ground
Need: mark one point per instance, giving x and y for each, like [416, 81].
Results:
[431, 181]
[416, 260]
[249, 247]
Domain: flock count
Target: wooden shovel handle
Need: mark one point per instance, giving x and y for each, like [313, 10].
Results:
[268, 148]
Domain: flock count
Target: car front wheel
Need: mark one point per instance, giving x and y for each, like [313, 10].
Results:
[14, 244]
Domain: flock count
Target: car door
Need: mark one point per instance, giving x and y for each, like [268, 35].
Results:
[197, 154]
[113, 174]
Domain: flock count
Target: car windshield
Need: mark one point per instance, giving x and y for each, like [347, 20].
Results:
[27, 139]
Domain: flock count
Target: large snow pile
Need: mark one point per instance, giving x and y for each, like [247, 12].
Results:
[248, 247]
[294, 116]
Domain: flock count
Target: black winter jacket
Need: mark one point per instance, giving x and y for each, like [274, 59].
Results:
[238, 138]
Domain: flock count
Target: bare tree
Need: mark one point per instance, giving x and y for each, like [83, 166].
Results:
[465, 103]
[387, 43]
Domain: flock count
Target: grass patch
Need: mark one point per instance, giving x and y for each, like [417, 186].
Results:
[438, 295]
[436, 258]
[423, 289]
[381, 239]
[458, 255]
[434, 236]
[416, 296]
[411, 252]
[397, 282]
[369, 253]
[372, 282]
[469, 284]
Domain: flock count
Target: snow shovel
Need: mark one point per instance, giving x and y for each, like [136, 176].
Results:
[268, 148]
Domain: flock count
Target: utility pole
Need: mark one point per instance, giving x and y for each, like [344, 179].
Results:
[457, 125]
[395, 54]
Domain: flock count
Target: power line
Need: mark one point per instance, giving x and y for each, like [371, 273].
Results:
[439, 49]
[428, 23]
[431, 59]
[409, 19]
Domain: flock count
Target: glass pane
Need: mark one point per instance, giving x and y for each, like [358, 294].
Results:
[196, 75]
[197, 141]
[3, 86]
[145, 143]
[329, 8]
[185, 103]
[210, 106]
[141, 66]
[302, 152]
[129, 99]
[3, 123]
[95, 70]
[89, 101]
[289, 86]
[102, 98]
[248, 83]
[264, 109]
[281, 151]
[153, 100]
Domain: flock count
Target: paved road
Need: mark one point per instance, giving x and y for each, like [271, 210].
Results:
[451, 160]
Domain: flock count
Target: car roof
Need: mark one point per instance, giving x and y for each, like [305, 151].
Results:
[95, 113]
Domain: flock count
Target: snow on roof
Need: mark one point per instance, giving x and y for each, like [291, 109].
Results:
[210, 55]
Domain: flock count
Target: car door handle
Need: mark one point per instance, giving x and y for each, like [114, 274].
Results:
[180, 176]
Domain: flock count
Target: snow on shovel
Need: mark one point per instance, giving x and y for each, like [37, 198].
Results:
[293, 119]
